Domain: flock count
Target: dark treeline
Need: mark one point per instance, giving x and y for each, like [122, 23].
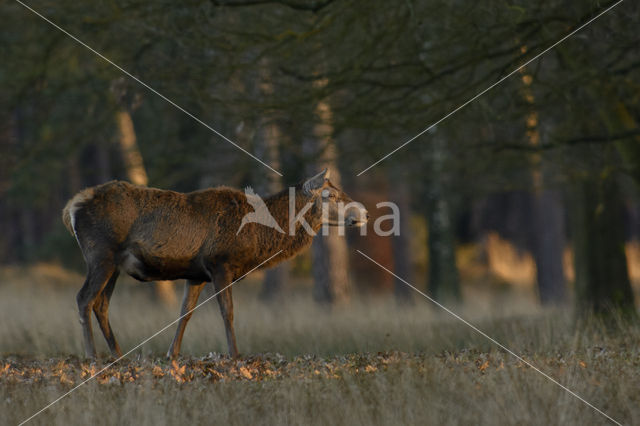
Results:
[550, 158]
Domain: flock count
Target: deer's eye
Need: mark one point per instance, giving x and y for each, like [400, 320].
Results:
[325, 193]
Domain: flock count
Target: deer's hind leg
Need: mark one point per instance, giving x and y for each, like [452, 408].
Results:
[101, 310]
[97, 278]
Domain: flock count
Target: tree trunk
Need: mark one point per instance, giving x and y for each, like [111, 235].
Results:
[444, 283]
[548, 246]
[137, 174]
[602, 281]
[629, 149]
[10, 243]
[267, 147]
[547, 238]
[330, 258]
[400, 243]
[131, 155]
[330, 269]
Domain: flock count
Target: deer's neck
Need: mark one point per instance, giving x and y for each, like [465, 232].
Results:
[294, 240]
[279, 206]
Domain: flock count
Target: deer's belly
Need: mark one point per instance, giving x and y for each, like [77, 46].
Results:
[154, 269]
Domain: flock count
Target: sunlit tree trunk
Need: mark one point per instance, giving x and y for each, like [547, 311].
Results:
[443, 282]
[602, 280]
[547, 236]
[137, 174]
[330, 258]
[134, 166]
[267, 143]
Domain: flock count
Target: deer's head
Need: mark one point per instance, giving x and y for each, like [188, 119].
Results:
[337, 208]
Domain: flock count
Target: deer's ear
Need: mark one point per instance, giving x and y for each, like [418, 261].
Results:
[316, 182]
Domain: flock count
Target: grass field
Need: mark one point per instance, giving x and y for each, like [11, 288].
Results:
[369, 363]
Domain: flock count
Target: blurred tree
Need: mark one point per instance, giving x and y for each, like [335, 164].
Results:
[134, 166]
[402, 265]
[547, 229]
[628, 147]
[443, 282]
[548, 246]
[330, 260]
[267, 147]
[131, 155]
[602, 280]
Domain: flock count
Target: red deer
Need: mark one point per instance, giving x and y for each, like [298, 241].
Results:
[153, 234]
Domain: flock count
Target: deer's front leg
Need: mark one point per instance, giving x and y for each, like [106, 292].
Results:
[192, 291]
[222, 279]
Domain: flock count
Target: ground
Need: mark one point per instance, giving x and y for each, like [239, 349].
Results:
[373, 362]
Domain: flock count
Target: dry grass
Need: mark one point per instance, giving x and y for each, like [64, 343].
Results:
[372, 363]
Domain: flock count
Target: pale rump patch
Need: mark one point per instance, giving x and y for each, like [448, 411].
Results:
[70, 210]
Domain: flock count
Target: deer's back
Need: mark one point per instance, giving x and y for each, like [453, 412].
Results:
[157, 234]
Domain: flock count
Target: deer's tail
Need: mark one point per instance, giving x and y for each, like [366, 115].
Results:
[69, 211]
[66, 216]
